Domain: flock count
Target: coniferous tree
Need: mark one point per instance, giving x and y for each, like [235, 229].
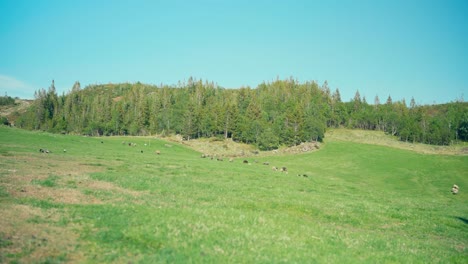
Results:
[283, 112]
[389, 100]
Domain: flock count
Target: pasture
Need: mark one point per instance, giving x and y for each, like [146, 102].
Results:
[100, 200]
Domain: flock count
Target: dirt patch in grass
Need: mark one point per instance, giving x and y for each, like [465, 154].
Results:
[25, 179]
[62, 195]
[30, 235]
[56, 179]
[107, 186]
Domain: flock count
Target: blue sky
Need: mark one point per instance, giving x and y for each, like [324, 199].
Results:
[400, 48]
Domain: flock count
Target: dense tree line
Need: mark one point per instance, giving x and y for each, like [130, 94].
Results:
[281, 112]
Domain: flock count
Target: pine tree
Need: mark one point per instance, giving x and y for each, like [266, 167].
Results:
[389, 100]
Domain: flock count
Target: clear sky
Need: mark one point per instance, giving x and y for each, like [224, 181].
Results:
[409, 48]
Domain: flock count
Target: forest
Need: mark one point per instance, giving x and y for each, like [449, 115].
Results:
[277, 113]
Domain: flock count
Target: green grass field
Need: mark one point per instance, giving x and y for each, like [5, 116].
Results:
[105, 201]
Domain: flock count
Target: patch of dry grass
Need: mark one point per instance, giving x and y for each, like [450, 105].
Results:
[382, 139]
[12, 111]
[33, 236]
[19, 182]
[217, 147]
[229, 148]
[72, 177]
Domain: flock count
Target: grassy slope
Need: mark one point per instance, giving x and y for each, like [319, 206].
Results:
[103, 202]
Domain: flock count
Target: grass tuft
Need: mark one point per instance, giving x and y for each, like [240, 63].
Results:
[51, 181]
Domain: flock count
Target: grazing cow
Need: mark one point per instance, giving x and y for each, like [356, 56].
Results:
[219, 159]
[274, 168]
[245, 162]
[204, 155]
[266, 163]
[455, 189]
[44, 151]
[284, 169]
[158, 152]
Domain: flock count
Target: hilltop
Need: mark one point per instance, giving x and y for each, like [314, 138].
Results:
[13, 111]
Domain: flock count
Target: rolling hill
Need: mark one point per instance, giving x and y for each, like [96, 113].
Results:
[115, 199]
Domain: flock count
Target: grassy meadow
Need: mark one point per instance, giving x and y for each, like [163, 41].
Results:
[102, 201]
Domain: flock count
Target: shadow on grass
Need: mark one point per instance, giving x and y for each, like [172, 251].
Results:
[464, 220]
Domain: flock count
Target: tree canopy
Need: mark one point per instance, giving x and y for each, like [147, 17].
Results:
[281, 112]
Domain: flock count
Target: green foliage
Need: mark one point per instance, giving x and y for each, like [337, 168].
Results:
[268, 140]
[463, 128]
[6, 100]
[193, 109]
[4, 121]
[437, 124]
[294, 112]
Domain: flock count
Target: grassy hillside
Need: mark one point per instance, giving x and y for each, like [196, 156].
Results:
[382, 139]
[12, 111]
[102, 200]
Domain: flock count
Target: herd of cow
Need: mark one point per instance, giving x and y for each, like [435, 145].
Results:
[274, 168]
[454, 189]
